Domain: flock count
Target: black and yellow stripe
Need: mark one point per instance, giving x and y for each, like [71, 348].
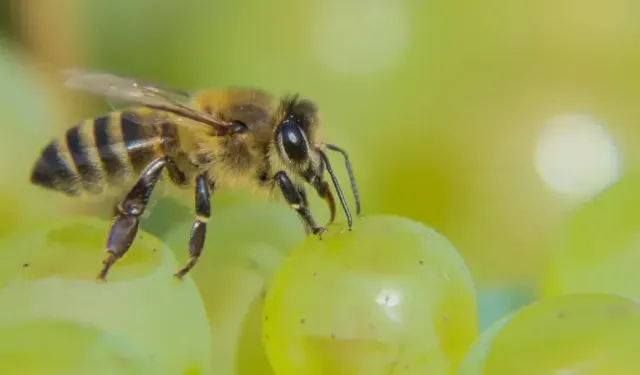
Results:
[79, 146]
[102, 151]
[111, 152]
[140, 143]
[53, 171]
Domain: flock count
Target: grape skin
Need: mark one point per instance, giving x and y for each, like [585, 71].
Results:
[595, 334]
[49, 273]
[50, 346]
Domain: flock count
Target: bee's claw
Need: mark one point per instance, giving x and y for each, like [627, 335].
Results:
[185, 270]
[108, 261]
[318, 231]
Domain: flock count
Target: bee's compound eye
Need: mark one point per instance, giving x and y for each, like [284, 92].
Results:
[293, 141]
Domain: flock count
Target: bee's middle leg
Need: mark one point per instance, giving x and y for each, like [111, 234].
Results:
[297, 202]
[199, 229]
[124, 227]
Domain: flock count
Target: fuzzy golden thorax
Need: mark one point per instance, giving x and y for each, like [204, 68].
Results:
[281, 135]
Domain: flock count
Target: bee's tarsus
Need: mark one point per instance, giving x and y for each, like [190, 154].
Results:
[109, 261]
[184, 270]
[124, 227]
[199, 228]
[319, 231]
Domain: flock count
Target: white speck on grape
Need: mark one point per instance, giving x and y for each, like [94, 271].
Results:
[390, 300]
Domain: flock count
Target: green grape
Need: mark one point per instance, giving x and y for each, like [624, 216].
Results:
[56, 347]
[247, 240]
[599, 249]
[49, 272]
[594, 334]
[390, 297]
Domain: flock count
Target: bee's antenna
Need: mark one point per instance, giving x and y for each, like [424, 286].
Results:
[352, 179]
[336, 184]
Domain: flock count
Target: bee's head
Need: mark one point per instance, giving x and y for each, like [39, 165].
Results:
[302, 154]
[295, 138]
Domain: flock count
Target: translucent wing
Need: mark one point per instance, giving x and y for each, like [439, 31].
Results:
[137, 92]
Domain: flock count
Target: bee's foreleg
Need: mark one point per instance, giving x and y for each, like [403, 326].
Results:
[303, 196]
[199, 228]
[297, 202]
[323, 190]
[127, 218]
[305, 202]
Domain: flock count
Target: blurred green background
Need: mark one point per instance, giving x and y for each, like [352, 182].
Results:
[493, 122]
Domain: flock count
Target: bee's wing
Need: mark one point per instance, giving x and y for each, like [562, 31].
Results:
[136, 92]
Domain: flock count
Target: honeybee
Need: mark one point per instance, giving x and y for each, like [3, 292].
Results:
[244, 138]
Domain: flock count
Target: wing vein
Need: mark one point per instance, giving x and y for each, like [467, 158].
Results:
[136, 92]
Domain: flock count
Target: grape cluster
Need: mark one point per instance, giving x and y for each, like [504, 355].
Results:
[391, 296]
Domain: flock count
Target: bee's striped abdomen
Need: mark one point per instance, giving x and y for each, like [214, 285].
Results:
[80, 147]
[124, 146]
[110, 154]
[97, 152]
[142, 143]
[54, 171]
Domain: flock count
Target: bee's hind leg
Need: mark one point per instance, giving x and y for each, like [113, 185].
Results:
[199, 229]
[124, 227]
